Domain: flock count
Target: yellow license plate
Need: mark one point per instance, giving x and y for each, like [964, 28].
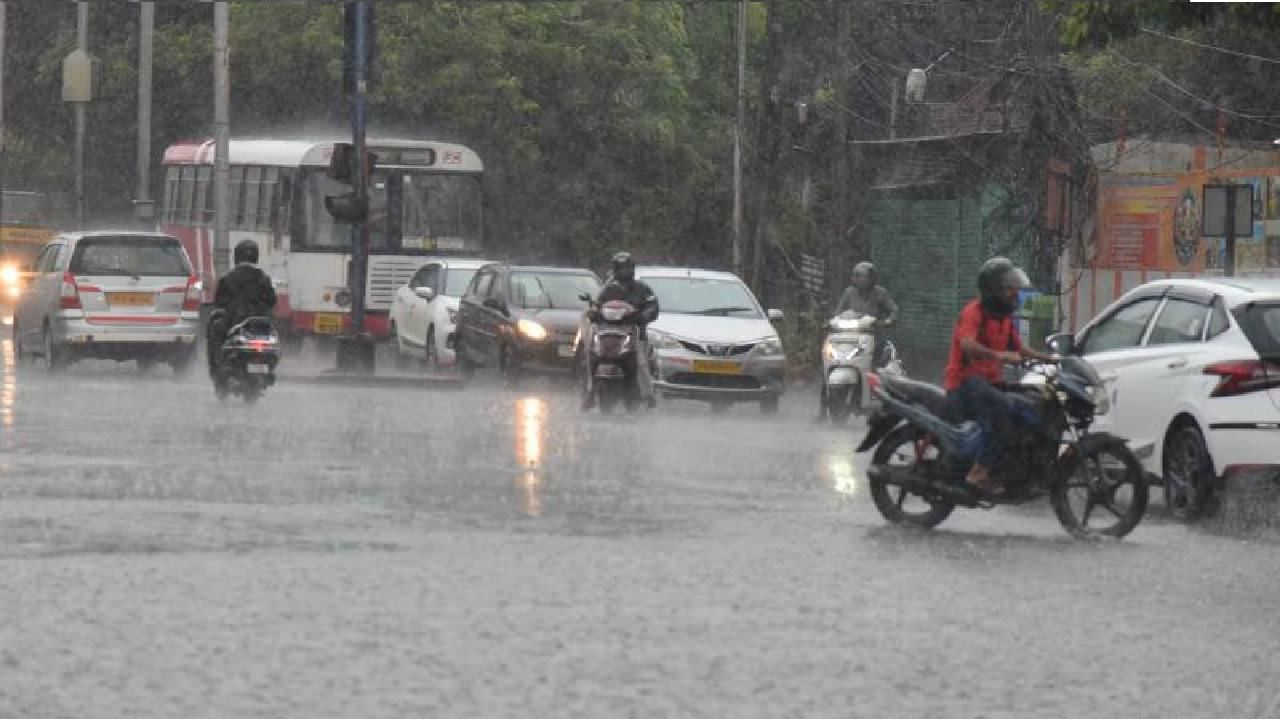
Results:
[131, 299]
[717, 367]
[327, 324]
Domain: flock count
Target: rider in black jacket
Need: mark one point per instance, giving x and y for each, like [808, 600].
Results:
[244, 292]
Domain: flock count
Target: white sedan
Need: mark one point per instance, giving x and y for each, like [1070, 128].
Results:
[424, 313]
[1193, 372]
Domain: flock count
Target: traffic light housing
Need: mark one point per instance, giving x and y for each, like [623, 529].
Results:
[349, 207]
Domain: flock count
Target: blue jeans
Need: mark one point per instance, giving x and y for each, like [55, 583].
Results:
[980, 401]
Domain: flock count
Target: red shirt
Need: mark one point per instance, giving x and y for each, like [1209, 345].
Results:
[999, 334]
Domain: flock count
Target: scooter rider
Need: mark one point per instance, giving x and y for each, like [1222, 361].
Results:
[624, 286]
[865, 297]
[244, 292]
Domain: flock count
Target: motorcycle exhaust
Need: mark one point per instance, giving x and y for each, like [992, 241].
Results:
[913, 483]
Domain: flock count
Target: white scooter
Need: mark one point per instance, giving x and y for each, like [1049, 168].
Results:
[848, 354]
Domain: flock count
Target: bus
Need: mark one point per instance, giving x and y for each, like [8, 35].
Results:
[425, 199]
[24, 230]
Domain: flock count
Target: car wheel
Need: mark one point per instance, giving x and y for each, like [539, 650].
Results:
[401, 358]
[1188, 474]
[466, 368]
[55, 358]
[430, 356]
[182, 361]
[769, 405]
[509, 367]
[19, 353]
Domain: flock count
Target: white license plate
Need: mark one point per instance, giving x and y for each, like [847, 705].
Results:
[565, 351]
[258, 368]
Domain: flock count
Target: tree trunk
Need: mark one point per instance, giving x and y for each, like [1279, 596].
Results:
[840, 149]
[768, 170]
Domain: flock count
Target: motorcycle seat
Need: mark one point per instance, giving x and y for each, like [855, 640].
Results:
[932, 397]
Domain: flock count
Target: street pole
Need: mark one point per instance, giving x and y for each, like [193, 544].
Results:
[2, 134]
[840, 149]
[222, 125]
[359, 111]
[1230, 230]
[737, 137]
[143, 208]
[82, 43]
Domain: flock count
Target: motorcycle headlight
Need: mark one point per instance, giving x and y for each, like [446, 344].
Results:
[1101, 401]
[531, 329]
[770, 346]
[663, 341]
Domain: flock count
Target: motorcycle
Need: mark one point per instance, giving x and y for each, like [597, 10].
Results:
[848, 357]
[247, 360]
[922, 452]
[612, 356]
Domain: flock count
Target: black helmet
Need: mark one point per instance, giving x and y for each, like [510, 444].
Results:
[624, 268]
[996, 278]
[867, 270]
[246, 252]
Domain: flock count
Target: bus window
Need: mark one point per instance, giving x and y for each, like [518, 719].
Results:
[234, 195]
[186, 194]
[170, 194]
[249, 208]
[267, 198]
[203, 210]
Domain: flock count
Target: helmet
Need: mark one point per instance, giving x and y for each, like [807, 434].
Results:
[996, 278]
[866, 270]
[246, 252]
[624, 268]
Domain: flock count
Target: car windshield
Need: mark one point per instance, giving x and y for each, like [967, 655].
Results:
[552, 291]
[129, 256]
[702, 296]
[456, 281]
[1261, 324]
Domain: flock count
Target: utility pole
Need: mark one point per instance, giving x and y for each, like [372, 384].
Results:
[82, 45]
[359, 118]
[143, 206]
[2, 134]
[737, 137]
[222, 126]
[840, 149]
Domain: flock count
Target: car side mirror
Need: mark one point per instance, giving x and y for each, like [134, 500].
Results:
[1061, 344]
[425, 293]
[775, 315]
[584, 297]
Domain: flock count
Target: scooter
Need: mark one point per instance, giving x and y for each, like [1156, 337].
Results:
[848, 355]
[247, 360]
[612, 356]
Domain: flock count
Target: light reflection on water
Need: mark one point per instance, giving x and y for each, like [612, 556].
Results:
[8, 389]
[531, 429]
[842, 472]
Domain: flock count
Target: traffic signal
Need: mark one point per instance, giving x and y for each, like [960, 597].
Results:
[348, 207]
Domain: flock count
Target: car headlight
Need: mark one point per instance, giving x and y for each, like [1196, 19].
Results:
[770, 346]
[453, 315]
[9, 274]
[663, 341]
[531, 329]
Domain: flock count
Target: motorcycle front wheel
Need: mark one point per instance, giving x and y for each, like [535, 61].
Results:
[1100, 489]
[904, 447]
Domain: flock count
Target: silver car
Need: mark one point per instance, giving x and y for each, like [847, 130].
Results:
[113, 295]
[712, 341]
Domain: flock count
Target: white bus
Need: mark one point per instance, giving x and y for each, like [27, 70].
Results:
[425, 199]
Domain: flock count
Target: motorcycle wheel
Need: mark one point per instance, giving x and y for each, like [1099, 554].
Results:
[839, 408]
[900, 448]
[252, 391]
[1102, 480]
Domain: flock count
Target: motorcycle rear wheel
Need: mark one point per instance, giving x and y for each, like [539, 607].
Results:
[902, 446]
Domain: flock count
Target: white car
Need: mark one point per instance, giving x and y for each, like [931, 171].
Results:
[712, 341]
[1192, 369]
[424, 313]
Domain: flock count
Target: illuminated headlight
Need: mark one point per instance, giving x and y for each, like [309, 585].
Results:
[663, 341]
[1101, 401]
[453, 316]
[842, 350]
[9, 274]
[531, 329]
[770, 346]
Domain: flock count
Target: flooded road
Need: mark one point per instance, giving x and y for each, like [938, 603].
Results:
[360, 552]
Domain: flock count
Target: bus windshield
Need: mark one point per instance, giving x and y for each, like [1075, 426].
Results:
[410, 213]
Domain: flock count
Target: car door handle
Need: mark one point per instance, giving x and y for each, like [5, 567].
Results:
[1179, 363]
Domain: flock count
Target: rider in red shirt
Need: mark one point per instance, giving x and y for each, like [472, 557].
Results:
[986, 338]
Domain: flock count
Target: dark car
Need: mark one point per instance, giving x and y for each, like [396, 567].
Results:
[522, 319]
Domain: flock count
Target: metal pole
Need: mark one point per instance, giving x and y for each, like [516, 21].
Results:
[737, 137]
[222, 125]
[82, 42]
[1230, 269]
[359, 109]
[142, 206]
[2, 134]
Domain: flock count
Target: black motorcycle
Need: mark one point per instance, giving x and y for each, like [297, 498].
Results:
[246, 363]
[612, 354]
[922, 454]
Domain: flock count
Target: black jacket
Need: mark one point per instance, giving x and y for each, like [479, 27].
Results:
[877, 303]
[245, 292]
[634, 293]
